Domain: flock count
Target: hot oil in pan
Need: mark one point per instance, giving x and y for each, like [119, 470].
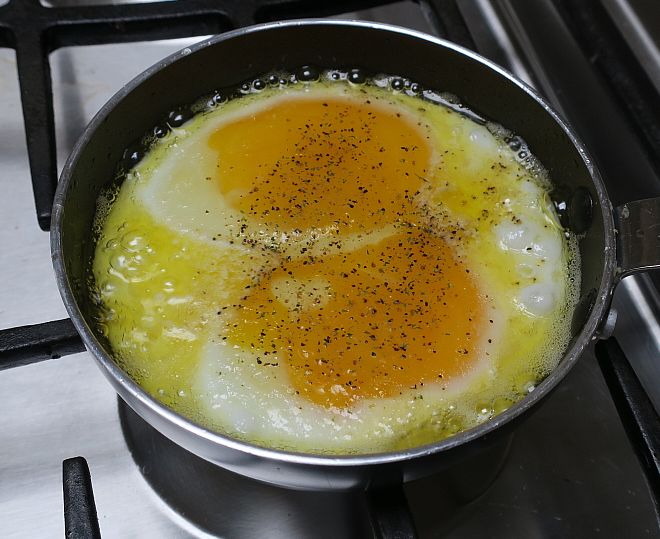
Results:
[336, 264]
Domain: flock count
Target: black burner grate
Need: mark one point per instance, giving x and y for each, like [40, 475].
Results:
[80, 519]
[635, 409]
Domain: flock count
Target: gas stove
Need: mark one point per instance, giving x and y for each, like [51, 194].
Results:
[570, 470]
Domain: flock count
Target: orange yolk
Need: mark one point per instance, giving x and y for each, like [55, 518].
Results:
[372, 322]
[305, 163]
[364, 324]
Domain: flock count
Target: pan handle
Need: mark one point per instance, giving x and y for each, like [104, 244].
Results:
[638, 245]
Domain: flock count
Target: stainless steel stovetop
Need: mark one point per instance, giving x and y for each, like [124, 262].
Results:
[571, 471]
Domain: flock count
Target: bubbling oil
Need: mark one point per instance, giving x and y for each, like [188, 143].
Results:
[344, 254]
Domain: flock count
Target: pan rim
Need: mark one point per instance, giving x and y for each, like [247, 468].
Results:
[124, 385]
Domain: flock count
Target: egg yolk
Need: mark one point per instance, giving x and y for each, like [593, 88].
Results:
[321, 162]
[370, 323]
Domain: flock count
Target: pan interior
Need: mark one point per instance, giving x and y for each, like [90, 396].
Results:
[136, 110]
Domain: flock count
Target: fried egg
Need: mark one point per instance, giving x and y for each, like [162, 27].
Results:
[335, 268]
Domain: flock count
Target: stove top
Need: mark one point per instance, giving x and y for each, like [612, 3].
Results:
[570, 470]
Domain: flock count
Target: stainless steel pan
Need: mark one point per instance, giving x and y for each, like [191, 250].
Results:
[614, 242]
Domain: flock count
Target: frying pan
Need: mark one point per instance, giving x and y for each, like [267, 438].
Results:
[613, 243]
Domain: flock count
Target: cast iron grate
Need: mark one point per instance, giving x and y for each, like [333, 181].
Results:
[80, 519]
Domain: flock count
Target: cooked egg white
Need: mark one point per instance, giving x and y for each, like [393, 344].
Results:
[333, 268]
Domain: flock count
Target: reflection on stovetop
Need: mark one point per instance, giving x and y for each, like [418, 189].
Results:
[569, 472]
